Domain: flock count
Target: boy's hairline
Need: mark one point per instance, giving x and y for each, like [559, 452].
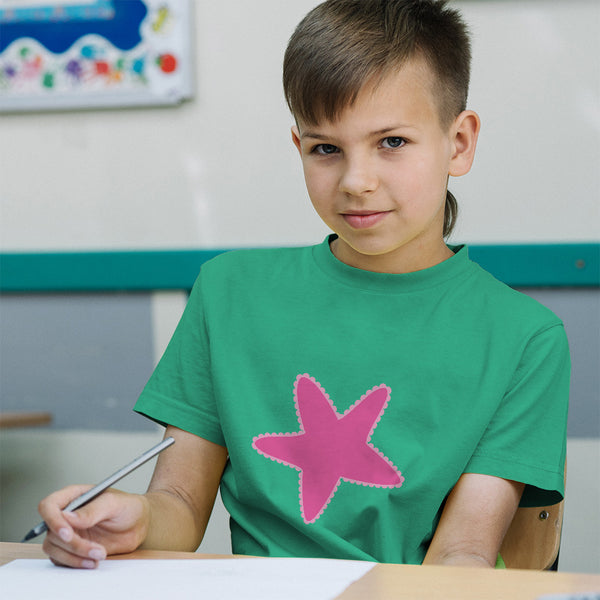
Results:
[375, 79]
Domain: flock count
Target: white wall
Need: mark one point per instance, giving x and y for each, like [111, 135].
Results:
[220, 171]
[536, 86]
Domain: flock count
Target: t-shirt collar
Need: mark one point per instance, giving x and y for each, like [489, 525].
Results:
[455, 266]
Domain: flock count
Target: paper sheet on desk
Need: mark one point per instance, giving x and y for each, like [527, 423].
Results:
[225, 579]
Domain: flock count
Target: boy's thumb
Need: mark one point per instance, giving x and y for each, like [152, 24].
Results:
[80, 519]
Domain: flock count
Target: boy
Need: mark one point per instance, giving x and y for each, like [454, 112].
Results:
[377, 396]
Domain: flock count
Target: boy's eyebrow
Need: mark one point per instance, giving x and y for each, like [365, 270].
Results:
[317, 135]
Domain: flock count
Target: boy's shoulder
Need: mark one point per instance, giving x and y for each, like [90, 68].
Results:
[257, 257]
[517, 305]
[253, 264]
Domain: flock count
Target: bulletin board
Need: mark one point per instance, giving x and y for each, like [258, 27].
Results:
[66, 54]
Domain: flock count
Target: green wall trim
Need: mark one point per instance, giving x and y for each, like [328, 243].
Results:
[525, 265]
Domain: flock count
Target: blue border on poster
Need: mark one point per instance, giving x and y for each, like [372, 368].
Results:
[119, 24]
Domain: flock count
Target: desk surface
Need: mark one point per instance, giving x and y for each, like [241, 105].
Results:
[387, 582]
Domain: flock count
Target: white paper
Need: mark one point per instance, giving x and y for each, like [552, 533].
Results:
[225, 579]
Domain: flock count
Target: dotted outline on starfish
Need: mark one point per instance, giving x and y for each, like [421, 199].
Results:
[339, 416]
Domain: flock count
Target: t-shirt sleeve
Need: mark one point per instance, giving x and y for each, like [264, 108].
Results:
[526, 439]
[179, 391]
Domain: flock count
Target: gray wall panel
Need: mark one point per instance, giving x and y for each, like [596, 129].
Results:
[579, 310]
[85, 358]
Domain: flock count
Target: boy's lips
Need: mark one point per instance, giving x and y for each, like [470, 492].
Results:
[363, 220]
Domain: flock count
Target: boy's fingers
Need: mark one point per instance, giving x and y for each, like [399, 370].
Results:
[58, 500]
[84, 518]
[69, 556]
[71, 542]
[63, 544]
[51, 507]
[101, 508]
[108, 524]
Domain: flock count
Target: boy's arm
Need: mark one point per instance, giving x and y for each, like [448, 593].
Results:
[182, 491]
[172, 515]
[475, 519]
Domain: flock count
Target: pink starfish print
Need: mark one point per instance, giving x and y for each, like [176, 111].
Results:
[331, 447]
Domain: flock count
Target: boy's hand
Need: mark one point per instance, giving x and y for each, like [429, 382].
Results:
[113, 523]
[172, 515]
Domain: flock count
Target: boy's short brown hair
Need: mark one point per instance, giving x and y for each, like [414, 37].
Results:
[341, 45]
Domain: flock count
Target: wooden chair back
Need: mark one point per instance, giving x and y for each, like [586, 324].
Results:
[533, 538]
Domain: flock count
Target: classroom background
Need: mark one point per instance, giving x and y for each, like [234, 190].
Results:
[218, 171]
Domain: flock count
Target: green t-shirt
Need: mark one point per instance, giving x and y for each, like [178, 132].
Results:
[351, 402]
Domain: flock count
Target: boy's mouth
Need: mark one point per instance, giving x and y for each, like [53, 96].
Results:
[364, 219]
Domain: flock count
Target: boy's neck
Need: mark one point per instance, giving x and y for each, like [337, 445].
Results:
[403, 260]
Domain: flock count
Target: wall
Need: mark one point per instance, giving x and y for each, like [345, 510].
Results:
[220, 171]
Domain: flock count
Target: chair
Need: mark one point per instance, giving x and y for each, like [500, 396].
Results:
[533, 538]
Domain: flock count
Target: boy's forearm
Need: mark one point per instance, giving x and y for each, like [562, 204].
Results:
[458, 559]
[171, 524]
[182, 492]
[476, 516]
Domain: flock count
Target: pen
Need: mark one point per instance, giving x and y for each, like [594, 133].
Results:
[103, 485]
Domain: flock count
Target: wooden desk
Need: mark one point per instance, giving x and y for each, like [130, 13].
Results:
[409, 582]
[24, 419]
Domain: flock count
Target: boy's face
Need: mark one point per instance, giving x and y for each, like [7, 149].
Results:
[377, 175]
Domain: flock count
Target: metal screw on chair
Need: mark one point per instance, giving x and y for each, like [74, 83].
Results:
[543, 515]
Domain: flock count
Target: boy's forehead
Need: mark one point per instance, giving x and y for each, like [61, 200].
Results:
[405, 91]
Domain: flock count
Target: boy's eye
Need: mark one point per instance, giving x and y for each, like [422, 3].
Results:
[325, 149]
[393, 142]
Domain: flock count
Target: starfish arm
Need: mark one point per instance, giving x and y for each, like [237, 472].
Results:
[284, 448]
[365, 414]
[314, 408]
[317, 487]
[365, 464]
[372, 468]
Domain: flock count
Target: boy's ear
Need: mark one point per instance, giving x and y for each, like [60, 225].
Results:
[464, 131]
[296, 138]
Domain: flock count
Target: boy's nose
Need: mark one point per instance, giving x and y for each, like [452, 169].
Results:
[358, 178]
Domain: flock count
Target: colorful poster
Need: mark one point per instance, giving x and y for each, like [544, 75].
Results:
[94, 53]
